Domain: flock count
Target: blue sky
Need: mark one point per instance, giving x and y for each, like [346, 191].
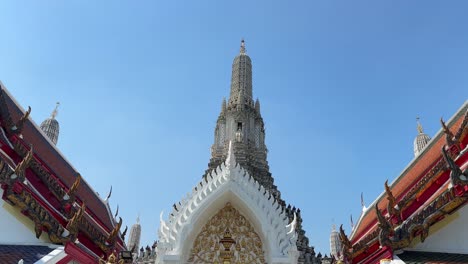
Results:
[141, 84]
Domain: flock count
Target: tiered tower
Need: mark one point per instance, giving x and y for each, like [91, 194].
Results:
[335, 243]
[134, 237]
[51, 127]
[241, 123]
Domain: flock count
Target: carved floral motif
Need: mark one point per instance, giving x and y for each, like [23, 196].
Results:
[227, 237]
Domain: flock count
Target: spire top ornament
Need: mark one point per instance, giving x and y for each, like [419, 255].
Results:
[419, 126]
[55, 112]
[242, 47]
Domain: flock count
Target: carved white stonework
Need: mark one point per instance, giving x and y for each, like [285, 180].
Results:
[228, 183]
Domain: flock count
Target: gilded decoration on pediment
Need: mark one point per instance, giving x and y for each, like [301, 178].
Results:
[227, 238]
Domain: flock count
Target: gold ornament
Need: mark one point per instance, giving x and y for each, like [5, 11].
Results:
[227, 238]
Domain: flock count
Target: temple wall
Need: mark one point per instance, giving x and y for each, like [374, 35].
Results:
[15, 228]
[449, 235]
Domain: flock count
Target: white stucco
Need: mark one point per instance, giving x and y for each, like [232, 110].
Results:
[53, 257]
[15, 228]
[449, 235]
[228, 183]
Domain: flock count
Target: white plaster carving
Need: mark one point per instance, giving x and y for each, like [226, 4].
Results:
[228, 179]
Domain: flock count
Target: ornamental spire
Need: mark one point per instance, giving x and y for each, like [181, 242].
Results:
[223, 106]
[55, 112]
[241, 79]
[134, 236]
[51, 127]
[421, 139]
[419, 126]
[242, 46]
[335, 243]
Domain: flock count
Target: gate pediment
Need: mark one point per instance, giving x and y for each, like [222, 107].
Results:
[228, 183]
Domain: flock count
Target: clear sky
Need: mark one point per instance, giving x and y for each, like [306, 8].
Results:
[141, 84]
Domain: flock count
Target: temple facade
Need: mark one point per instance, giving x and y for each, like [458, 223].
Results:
[422, 216]
[235, 214]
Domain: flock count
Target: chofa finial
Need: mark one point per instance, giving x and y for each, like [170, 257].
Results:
[242, 47]
[55, 112]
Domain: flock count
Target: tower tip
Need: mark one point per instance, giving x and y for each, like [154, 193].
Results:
[419, 126]
[242, 47]
[55, 112]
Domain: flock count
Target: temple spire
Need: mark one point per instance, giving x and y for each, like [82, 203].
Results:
[51, 127]
[419, 126]
[335, 243]
[241, 79]
[55, 112]
[135, 235]
[223, 106]
[242, 47]
[421, 139]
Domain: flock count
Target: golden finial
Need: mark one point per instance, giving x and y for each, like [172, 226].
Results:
[55, 112]
[420, 128]
[242, 47]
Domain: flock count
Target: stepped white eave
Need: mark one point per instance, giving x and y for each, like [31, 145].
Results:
[280, 235]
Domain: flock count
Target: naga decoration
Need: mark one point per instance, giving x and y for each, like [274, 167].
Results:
[450, 138]
[18, 127]
[5, 171]
[228, 237]
[110, 193]
[73, 188]
[347, 246]
[114, 232]
[392, 207]
[73, 224]
[457, 176]
[21, 167]
[385, 227]
[116, 212]
[122, 236]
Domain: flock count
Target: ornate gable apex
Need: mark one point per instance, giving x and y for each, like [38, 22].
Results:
[228, 183]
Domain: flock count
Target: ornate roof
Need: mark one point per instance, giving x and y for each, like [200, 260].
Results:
[62, 201]
[57, 165]
[432, 185]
